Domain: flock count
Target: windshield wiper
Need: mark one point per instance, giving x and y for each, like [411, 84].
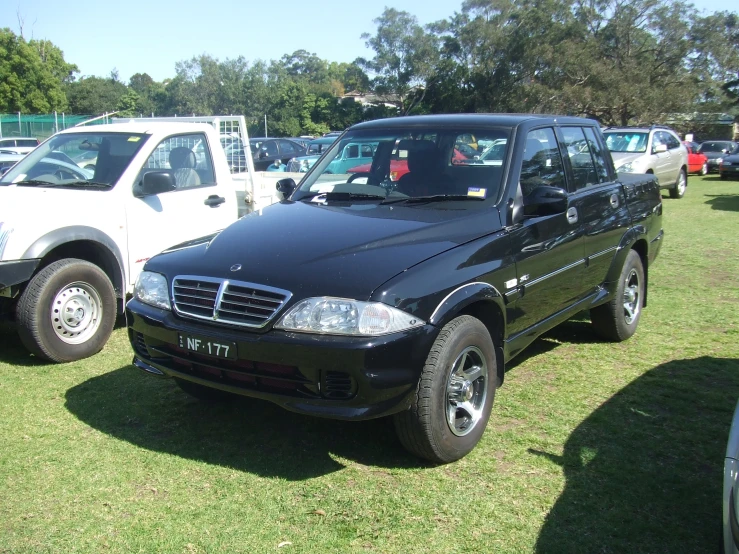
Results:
[37, 183]
[81, 183]
[339, 196]
[31, 183]
[433, 198]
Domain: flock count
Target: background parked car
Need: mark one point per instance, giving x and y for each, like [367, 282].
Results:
[656, 150]
[714, 149]
[18, 145]
[316, 147]
[8, 160]
[697, 162]
[728, 165]
[265, 151]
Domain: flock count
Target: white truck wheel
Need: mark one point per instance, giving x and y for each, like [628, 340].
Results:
[67, 311]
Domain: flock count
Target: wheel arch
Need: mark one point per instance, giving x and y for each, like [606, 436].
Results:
[484, 302]
[84, 243]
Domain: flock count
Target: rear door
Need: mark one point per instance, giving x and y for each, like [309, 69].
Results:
[599, 201]
[548, 249]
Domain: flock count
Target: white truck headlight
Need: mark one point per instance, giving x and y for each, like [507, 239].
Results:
[628, 167]
[5, 232]
[342, 316]
[151, 288]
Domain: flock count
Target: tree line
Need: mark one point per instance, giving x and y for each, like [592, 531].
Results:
[617, 61]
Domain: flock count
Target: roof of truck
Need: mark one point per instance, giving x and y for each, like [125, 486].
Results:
[150, 128]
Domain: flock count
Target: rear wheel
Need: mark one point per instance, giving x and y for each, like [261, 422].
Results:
[455, 394]
[704, 169]
[678, 191]
[617, 319]
[67, 311]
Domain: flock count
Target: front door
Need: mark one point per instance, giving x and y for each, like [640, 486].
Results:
[159, 221]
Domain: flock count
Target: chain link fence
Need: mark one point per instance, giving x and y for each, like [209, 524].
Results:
[40, 126]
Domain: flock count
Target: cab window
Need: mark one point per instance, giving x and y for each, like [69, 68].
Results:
[542, 163]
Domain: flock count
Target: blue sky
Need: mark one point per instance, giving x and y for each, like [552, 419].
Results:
[151, 36]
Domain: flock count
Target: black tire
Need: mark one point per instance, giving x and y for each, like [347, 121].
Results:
[617, 320]
[704, 169]
[425, 429]
[678, 191]
[74, 287]
[203, 393]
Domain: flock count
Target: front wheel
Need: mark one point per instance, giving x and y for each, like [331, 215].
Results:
[67, 311]
[617, 319]
[678, 191]
[454, 396]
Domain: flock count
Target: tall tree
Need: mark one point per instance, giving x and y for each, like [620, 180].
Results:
[405, 56]
[32, 75]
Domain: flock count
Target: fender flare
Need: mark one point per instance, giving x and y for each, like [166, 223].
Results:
[65, 235]
[624, 246]
[471, 293]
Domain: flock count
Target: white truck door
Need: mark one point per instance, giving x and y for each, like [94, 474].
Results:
[196, 206]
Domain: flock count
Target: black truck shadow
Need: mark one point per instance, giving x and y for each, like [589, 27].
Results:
[246, 434]
[646, 467]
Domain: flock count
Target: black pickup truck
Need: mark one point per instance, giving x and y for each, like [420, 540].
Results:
[404, 289]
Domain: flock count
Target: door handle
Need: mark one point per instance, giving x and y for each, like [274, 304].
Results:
[214, 200]
[572, 215]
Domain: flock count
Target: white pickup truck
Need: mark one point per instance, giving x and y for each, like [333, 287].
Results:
[81, 214]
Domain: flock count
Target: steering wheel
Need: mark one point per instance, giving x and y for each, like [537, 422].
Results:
[63, 174]
[371, 179]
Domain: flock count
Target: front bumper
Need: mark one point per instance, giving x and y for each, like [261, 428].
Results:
[329, 376]
[729, 170]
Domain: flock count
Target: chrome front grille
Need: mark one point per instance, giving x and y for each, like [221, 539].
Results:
[224, 301]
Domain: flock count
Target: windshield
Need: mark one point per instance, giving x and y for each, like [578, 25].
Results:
[409, 163]
[77, 159]
[715, 146]
[626, 141]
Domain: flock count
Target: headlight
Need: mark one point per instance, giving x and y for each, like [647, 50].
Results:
[5, 232]
[628, 167]
[341, 316]
[151, 288]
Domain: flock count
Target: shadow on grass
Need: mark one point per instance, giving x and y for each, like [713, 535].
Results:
[246, 434]
[725, 202]
[644, 471]
[13, 352]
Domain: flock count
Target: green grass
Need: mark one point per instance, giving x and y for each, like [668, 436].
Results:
[592, 447]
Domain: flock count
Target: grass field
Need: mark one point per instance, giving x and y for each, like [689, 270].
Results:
[592, 447]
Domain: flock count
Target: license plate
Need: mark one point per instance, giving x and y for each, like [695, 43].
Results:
[208, 346]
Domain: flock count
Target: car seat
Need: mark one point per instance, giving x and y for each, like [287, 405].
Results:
[182, 160]
[425, 169]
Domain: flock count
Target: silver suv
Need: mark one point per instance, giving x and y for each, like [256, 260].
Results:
[657, 150]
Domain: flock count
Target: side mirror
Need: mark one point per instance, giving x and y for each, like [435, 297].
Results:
[285, 187]
[156, 182]
[660, 148]
[545, 200]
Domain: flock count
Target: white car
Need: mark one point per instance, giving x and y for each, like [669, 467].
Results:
[730, 534]
[18, 145]
[656, 150]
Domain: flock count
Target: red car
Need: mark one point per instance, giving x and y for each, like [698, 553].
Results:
[697, 162]
[399, 166]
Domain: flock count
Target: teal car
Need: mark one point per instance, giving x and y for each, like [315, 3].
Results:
[352, 154]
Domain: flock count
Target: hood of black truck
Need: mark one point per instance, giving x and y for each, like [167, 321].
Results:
[342, 250]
